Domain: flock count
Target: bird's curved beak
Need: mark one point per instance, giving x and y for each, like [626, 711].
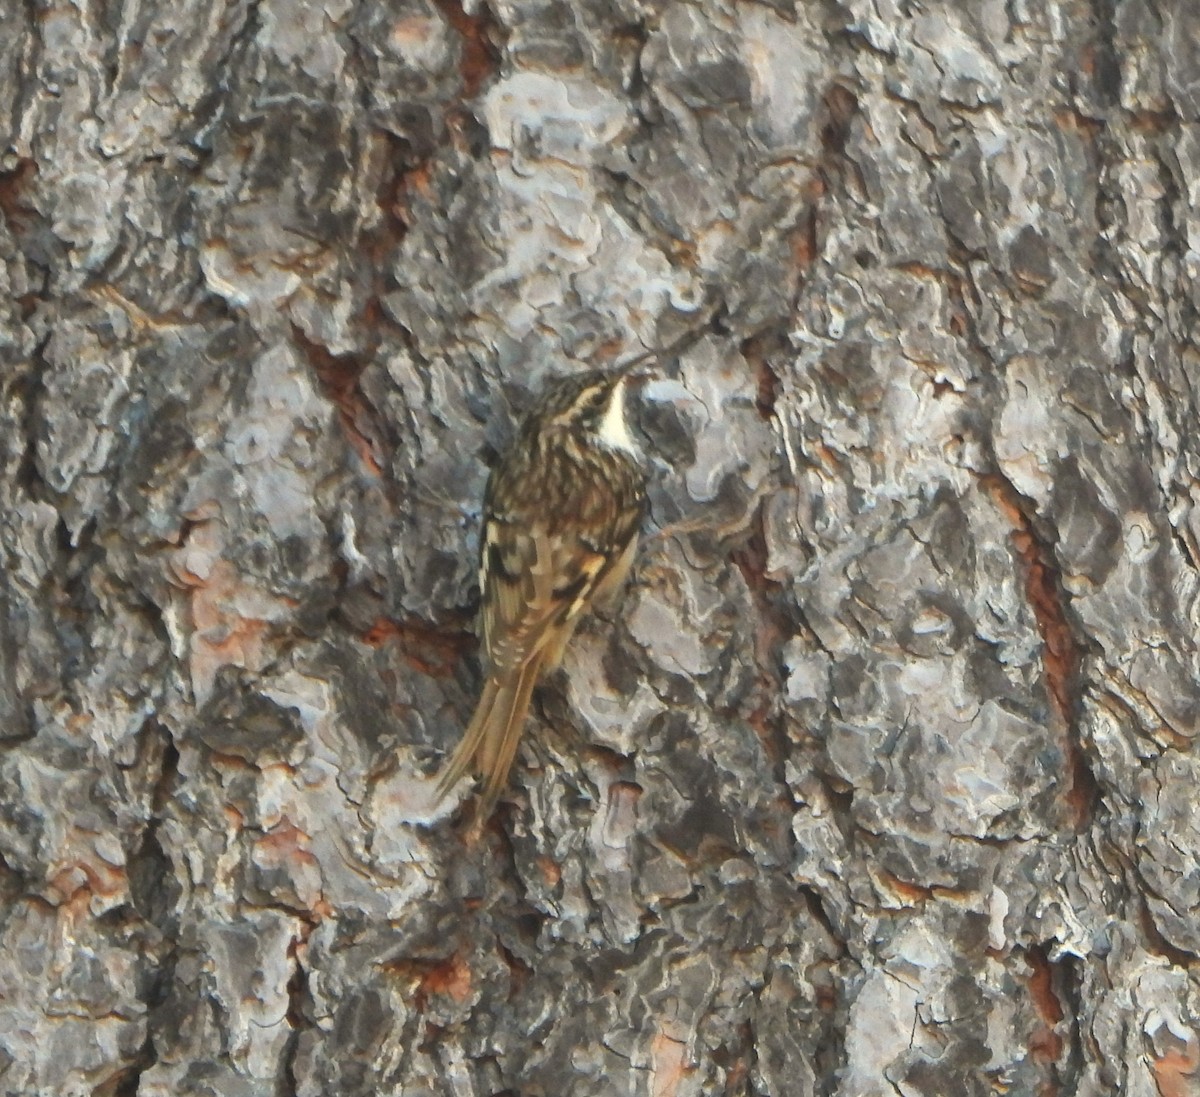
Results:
[637, 373]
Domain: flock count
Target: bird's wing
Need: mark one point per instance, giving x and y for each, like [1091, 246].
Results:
[535, 582]
[541, 565]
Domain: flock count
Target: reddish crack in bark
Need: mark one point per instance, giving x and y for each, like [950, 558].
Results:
[297, 994]
[339, 375]
[1060, 653]
[841, 106]
[1046, 1044]
[449, 976]
[1176, 1071]
[385, 237]
[432, 651]
[804, 239]
[411, 171]
[904, 889]
[772, 631]
[479, 58]
[756, 351]
[20, 214]
[14, 204]
[1155, 941]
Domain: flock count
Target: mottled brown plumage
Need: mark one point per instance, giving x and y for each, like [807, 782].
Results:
[561, 517]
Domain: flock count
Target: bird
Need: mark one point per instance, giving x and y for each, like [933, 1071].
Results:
[562, 512]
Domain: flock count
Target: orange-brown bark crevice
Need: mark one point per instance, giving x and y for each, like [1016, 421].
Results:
[432, 651]
[480, 57]
[338, 375]
[1061, 656]
[1046, 1044]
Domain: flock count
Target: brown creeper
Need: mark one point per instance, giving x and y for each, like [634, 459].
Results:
[561, 517]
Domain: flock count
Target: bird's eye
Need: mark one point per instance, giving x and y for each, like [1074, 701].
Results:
[591, 405]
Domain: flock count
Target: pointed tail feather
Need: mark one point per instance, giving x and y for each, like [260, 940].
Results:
[463, 758]
[490, 742]
[500, 747]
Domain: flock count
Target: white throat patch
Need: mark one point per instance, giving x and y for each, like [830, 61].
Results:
[613, 430]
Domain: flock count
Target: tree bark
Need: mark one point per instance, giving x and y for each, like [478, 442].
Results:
[880, 780]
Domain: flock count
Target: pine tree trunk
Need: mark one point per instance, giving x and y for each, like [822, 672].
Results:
[881, 777]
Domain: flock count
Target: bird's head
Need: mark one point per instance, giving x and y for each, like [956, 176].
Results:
[592, 404]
